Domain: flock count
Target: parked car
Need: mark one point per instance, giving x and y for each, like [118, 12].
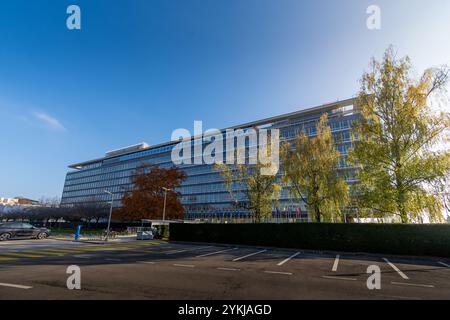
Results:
[11, 230]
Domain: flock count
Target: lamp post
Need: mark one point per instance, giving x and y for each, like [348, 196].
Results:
[110, 213]
[165, 199]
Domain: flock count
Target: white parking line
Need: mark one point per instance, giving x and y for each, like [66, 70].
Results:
[444, 264]
[82, 256]
[184, 265]
[228, 269]
[187, 250]
[393, 266]
[413, 284]
[249, 255]
[339, 278]
[15, 286]
[211, 253]
[146, 262]
[335, 264]
[178, 251]
[289, 258]
[279, 272]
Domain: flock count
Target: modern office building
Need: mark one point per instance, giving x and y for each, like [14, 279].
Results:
[203, 192]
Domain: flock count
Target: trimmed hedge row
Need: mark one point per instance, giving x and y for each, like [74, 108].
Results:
[418, 240]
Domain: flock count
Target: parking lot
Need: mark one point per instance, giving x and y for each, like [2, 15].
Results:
[31, 269]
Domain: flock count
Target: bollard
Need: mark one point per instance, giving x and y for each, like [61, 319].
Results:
[77, 234]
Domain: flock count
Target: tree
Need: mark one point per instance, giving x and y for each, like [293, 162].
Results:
[260, 191]
[53, 202]
[310, 169]
[146, 200]
[90, 210]
[396, 137]
[253, 185]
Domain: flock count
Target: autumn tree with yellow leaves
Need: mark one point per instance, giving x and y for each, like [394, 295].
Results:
[310, 170]
[396, 141]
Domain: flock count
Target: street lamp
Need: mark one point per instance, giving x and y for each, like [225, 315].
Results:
[110, 212]
[165, 199]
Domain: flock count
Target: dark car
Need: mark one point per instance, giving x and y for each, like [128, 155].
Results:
[10, 230]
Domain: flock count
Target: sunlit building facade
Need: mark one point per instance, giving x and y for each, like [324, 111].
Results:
[204, 195]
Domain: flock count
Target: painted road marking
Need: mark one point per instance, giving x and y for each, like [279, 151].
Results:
[228, 269]
[102, 249]
[65, 251]
[444, 264]
[393, 266]
[413, 284]
[289, 258]
[146, 262]
[279, 272]
[177, 251]
[186, 250]
[339, 278]
[143, 251]
[7, 258]
[184, 265]
[44, 253]
[15, 286]
[21, 255]
[217, 252]
[335, 264]
[249, 255]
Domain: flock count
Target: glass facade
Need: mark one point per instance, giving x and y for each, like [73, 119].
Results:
[203, 192]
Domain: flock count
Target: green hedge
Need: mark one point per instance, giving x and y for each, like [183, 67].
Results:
[427, 240]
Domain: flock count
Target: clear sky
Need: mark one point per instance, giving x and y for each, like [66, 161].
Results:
[138, 69]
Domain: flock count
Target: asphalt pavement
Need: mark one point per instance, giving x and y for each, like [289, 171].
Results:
[155, 269]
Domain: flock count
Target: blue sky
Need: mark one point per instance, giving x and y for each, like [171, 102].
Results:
[137, 70]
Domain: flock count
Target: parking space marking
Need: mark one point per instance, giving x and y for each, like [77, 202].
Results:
[249, 255]
[144, 251]
[228, 269]
[146, 262]
[393, 266]
[339, 278]
[444, 264]
[279, 272]
[15, 286]
[187, 250]
[212, 253]
[336, 263]
[289, 258]
[184, 265]
[412, 284]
